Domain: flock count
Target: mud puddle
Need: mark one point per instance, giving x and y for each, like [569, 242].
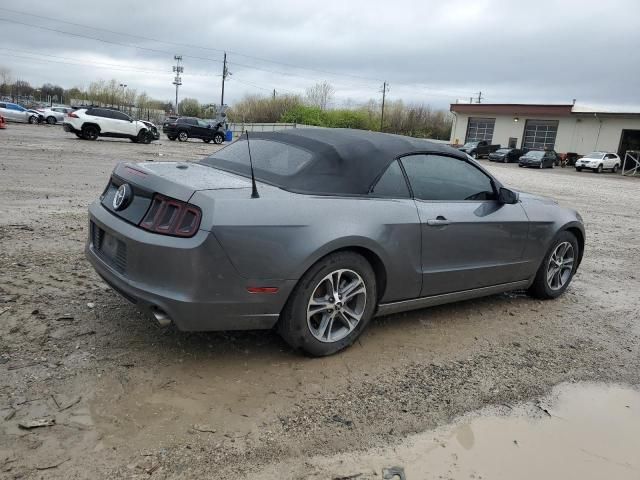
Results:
[586, 431]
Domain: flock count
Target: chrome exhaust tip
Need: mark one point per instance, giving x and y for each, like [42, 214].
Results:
[161, 317]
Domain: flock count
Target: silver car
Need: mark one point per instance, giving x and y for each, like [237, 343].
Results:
[316, 231]
[17, 113]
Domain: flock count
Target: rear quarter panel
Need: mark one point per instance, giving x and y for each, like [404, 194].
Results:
[281, 234]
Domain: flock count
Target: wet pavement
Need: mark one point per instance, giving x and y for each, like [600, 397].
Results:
[582, 431]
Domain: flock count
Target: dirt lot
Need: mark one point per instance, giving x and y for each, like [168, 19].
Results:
[132, 400]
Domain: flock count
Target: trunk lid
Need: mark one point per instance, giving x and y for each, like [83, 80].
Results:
[178, 180]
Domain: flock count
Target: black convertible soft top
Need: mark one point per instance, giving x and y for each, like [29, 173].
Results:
[325, 161]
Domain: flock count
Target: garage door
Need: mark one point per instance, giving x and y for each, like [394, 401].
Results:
[480, 129]
[540, 134]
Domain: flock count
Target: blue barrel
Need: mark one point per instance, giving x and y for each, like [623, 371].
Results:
[228, 137]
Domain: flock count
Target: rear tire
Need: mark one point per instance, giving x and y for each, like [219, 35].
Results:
[183, 136]
[312, 315]
[578, 169]
[79, 135]
[615, 168]
[51, 120]
[545, 288]
[90, 132]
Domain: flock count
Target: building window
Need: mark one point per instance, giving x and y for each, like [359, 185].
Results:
[540, 134]
[480, 129]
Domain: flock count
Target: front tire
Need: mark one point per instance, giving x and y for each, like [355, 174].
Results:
[218, 138]
[615, 168]
[33, 119]
[330, 306]
[599, 169]
[144, 136]
[578, 169]
[183, 136]
[51, 120]
[557, 268]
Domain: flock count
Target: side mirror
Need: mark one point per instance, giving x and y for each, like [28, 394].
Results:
[507, 196]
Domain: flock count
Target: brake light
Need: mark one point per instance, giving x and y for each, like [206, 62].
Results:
[168, 216]
[72, 115]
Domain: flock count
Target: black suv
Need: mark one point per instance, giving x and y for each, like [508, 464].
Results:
[184, 128]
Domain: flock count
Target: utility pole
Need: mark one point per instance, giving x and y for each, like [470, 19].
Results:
[274, 93]
[177, 81]
[385, 89]
[480, 97]
[225, 74]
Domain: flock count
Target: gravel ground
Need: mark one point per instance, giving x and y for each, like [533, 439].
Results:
[126, 399]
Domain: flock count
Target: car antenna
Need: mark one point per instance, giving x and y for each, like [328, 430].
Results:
[254, 188]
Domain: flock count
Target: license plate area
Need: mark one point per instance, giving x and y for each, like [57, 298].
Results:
[110, 249]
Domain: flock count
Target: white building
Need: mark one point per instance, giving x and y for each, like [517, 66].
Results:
[564, 128]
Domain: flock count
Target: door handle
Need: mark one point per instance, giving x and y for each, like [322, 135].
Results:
[438, 221]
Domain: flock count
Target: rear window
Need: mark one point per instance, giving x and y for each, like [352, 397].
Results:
[271, 159]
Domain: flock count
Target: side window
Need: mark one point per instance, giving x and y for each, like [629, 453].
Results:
[119, 116]
[97, 112]
[436, 177]
[3, 105]
[392, 183]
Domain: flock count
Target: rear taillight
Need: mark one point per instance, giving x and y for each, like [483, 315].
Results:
[72, 115]
[172, 217]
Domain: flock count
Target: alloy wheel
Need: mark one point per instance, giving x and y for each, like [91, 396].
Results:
[182, 136]
[560, 266]
[336, 305]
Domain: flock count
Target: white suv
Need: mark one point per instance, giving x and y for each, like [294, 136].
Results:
[598, 161]
[93, 122]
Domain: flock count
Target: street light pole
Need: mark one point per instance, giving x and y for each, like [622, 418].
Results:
[123, 85]
[177, 81]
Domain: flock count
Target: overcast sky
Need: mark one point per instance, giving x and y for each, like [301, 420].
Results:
[429, 51]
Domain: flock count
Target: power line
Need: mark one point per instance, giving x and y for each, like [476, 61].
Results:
[327, 72]
[155, 50]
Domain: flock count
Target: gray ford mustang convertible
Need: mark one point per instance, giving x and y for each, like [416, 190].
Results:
[339, 226]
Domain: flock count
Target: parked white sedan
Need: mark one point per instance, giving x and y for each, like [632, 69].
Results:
[599, 161]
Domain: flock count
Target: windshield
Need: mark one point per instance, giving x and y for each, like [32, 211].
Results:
[503, 150]
[597, 155]
[471, 144]
[536, 154]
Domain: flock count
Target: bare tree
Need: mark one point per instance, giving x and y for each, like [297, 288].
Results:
[320, 95]
[5, 75]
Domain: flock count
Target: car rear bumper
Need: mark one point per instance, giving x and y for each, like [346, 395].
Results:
[190, 280]
[67, 127]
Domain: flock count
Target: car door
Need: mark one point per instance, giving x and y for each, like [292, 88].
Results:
[610, 160]
[4, 110]
[549, 159]
[205, 130]
[469, 239]
[12, 113]
[123, 123]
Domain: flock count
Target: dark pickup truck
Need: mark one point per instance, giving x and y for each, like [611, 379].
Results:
[479, 148]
